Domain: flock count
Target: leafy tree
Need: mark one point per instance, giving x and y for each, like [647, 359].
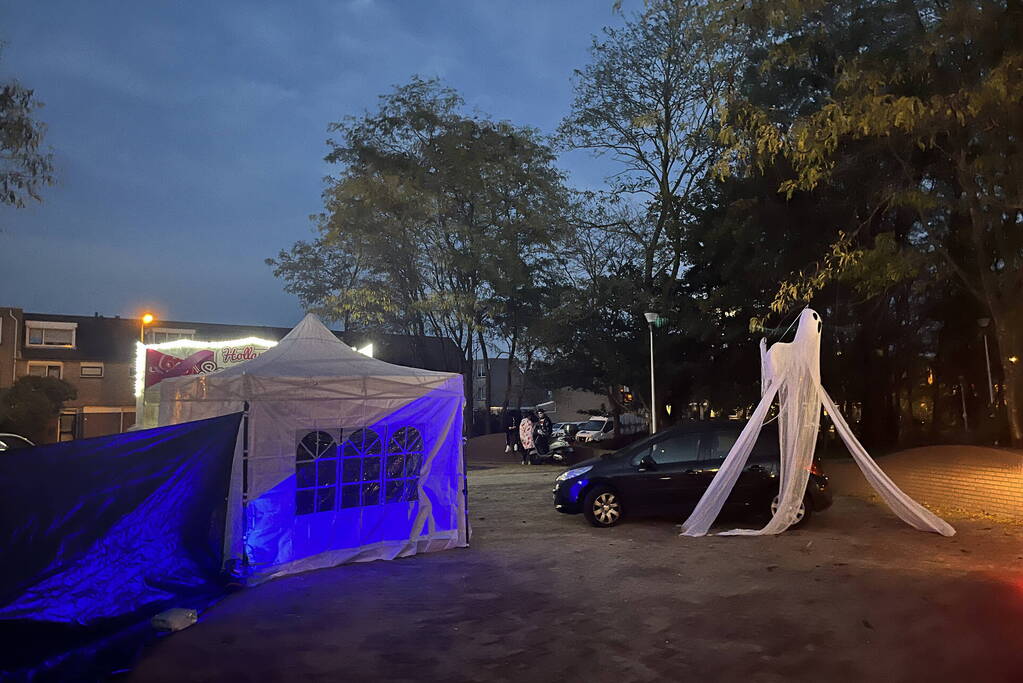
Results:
[590, 340]
[450, 218]
[24, 169]
[647, 101]
[929, 99]
[326, 278]
[28, 407]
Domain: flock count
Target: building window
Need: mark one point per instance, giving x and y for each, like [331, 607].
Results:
[481, 369]
[315, 472]
[91, 370]
[45, 333]
[162, 335]
[46, 370]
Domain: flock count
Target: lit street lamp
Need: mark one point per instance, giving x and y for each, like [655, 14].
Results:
[652, 318]
[147, 318]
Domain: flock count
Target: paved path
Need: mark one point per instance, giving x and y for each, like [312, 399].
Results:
[955, 480]
[540, 596]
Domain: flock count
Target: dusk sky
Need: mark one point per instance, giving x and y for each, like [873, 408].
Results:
[189, 142]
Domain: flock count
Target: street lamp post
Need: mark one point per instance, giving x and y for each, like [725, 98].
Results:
[145, 320]
[652, 318]
[984, 322]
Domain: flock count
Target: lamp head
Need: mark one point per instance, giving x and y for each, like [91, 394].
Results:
[651, 317]
[147, 318]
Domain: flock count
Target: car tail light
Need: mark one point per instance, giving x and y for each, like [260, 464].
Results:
[815, 468]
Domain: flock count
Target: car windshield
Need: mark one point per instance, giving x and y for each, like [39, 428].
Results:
[591, 426]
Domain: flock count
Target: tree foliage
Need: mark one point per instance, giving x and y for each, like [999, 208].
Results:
[29, 406]
[439, 222]
[928, 94]
[24, 168]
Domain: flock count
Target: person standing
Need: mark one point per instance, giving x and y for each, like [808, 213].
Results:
[511, 432]
[542, 434]
[526, 427]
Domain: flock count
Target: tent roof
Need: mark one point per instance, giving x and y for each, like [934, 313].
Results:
[311, 350]
[309, 364]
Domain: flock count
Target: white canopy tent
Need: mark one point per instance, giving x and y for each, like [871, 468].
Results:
[342, 457]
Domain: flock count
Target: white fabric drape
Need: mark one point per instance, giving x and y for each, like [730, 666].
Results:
[717, 493]
[791, 371]
[907, 509]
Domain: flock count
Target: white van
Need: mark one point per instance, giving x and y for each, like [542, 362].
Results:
[599, 429]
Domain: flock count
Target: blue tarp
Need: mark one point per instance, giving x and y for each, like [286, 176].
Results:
[98, 535]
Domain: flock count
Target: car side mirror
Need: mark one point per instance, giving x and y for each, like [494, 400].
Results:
[647, 463]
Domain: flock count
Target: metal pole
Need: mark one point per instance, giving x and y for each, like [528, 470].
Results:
[990, 383]
[653, 389]
[962, 397]
[245, 454]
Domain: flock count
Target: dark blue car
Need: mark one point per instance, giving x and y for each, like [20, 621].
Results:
[667, 473]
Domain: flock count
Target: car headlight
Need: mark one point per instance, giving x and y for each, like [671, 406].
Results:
[572, 474]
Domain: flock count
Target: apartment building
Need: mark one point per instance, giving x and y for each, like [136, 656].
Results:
[97, 354]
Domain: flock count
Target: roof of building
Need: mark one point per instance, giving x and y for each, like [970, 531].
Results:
[101, 338]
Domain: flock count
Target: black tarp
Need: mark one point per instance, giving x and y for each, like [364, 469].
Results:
[98, 535]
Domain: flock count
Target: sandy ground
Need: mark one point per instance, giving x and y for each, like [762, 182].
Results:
[540, 596]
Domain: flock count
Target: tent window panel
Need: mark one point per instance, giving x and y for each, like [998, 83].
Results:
[370, 469]
[305, 475]
[316, 465]
[371, 493]
[304, 502]
[395, 466]
[377, 467]
[363, 442]
[325, 499]
[412, 463]
[396, 491]
[405, 440]
[351, 470]
[326, 473]
[350, 496]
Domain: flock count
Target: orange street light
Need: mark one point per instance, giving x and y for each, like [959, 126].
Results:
[146, 319]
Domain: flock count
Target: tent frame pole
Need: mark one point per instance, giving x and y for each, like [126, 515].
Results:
[465, 491]
[245, 454]
[245, 479]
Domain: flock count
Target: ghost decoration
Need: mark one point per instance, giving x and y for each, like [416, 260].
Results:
[792, 373]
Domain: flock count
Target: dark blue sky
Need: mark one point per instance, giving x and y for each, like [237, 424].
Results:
[189, 142]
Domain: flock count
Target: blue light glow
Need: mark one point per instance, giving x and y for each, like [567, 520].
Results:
[276, 536]
[577, 489]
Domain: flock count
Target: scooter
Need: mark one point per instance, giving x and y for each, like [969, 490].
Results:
[557, 453]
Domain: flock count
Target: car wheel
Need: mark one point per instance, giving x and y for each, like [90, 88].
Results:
[602, 507]
[802, 514]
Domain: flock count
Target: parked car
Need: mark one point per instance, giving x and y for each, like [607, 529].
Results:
[599, 429]
[10, 442]
[566, 430]
[667, 473]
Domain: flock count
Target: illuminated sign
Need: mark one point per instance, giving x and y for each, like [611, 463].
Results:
[157, 362]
